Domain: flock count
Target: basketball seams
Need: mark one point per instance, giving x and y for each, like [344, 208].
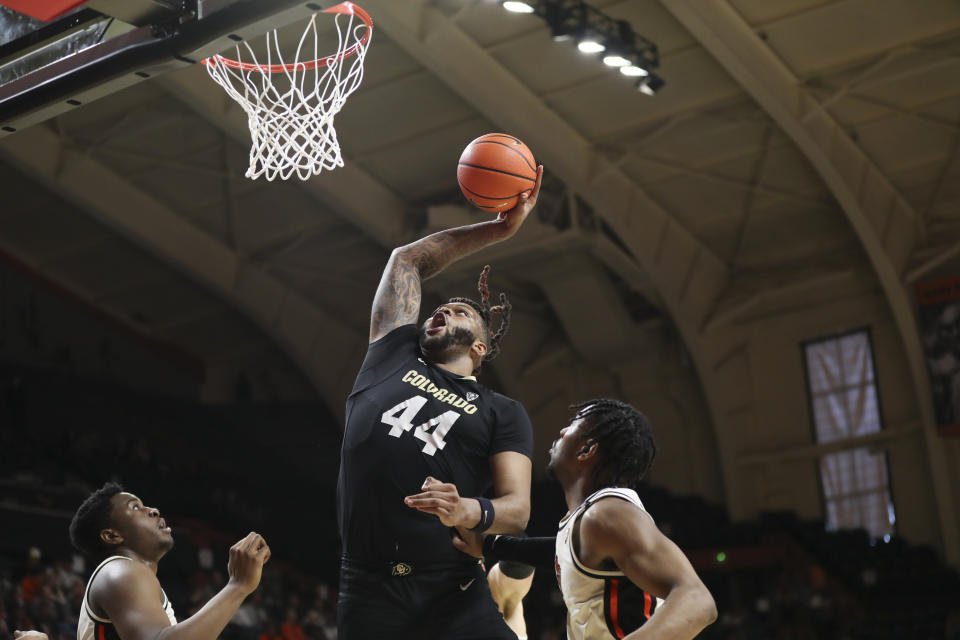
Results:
[501, 135]
[480, 195]
[507, 146]
[507, 173]
[517, 142]
[492, 170]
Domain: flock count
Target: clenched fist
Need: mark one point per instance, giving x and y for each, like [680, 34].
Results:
[247, 558]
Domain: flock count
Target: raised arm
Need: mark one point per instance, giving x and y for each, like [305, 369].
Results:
[397, 301]
[130, 595]
[617, 531]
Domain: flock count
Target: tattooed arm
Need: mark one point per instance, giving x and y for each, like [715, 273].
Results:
[397, 301]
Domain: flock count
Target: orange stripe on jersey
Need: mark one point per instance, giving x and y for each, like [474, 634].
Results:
[614, 588]
[647, 602]
[99, 632]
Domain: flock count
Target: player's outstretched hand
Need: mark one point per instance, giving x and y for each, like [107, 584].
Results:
[442, 500]
[247, 558]
[29, 635]
[469, 542]
[528, 200]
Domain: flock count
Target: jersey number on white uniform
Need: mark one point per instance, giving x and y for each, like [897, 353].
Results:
[400, 418]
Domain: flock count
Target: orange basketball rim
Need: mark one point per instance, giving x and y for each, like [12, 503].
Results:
[291, 105]
[344, 8]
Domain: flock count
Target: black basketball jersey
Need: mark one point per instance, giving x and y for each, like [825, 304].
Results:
[407, 419]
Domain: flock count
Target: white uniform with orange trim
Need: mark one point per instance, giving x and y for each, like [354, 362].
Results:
[93, 627]
[600, 604]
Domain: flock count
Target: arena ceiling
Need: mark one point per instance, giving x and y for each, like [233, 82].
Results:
[801, 151]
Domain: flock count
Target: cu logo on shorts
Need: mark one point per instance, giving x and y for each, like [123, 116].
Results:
[400, 569]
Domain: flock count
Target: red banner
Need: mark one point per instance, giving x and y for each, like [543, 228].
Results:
[45, 10]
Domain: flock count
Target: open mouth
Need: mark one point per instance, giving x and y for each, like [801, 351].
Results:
[437, 324]
[163, 526]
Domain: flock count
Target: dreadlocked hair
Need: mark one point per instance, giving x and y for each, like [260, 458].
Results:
[485, 310]
[624, 441]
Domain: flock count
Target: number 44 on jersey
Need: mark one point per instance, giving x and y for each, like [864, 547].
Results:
[400, 418]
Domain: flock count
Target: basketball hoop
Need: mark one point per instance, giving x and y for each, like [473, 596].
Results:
[290, 106]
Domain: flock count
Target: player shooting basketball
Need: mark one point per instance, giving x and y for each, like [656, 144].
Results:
[423, 442]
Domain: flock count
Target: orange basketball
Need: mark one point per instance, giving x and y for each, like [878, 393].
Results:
[494, 170]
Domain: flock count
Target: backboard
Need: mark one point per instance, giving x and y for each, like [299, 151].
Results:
[58, 54]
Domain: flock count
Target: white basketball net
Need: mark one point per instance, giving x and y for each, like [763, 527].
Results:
[290, 105]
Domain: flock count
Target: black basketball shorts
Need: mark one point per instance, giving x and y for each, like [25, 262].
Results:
[410, 602]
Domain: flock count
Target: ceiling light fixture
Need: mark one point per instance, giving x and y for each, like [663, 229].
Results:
[564, 17]
[595, 32]
[517, 7]
[633, 71]
[650, 84]
[590, 45]
[615, 60]
[621, 49]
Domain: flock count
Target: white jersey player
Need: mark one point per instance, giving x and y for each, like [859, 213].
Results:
[94, 627]
[600, 603]
[620, 576]
[123, 599]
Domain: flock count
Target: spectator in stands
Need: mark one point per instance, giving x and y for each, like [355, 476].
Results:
[270, 632]
[291, 629]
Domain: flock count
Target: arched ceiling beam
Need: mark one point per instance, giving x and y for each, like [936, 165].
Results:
[687, 275]
[888, 227]
[323, 347]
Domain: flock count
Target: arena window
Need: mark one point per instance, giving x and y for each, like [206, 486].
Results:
[842, 386]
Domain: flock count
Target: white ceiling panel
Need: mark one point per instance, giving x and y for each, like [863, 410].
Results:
[436, 153]
[822, 37]
[399, 111]
[610, 102]
[900, 141]
[759, 12]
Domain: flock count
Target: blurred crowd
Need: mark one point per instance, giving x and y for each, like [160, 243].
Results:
[41, 595]
[46, 595]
